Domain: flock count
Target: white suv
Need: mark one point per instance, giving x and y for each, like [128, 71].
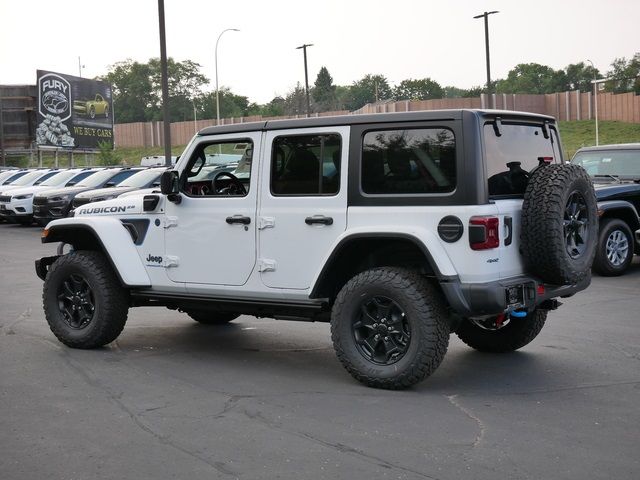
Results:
[396, 228]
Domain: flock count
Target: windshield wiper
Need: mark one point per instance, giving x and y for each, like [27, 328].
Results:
[608, 175]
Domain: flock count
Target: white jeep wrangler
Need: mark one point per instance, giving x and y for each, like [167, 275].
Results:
[397, 228]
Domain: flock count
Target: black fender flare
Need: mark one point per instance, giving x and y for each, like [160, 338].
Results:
[342, 245]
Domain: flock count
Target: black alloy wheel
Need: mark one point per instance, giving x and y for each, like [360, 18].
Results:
[76, 301]
[381, 330]
[576, 225]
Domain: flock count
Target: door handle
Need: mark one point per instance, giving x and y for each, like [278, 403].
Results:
[319, 219]
[238, 219]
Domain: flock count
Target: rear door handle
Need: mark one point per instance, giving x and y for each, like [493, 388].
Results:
[238, 219]
[318, 219]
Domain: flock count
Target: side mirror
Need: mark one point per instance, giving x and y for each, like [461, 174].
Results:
[169, 182]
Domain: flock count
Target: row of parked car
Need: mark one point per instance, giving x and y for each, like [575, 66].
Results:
[42, 195]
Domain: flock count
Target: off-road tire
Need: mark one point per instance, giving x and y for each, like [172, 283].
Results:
[544, 229]
[208, 317]
[602, 264]
[110, 300]
[516, 334]
[422, 306]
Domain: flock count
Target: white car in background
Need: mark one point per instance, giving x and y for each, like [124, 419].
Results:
[17, 204]
[34, 177]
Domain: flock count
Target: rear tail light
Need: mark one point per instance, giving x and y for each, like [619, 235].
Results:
[483, 233]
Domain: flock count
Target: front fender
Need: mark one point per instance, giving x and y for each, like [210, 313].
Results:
[628, 208]
[106, 234]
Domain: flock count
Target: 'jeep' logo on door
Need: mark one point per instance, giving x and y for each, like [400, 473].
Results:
[154, 259]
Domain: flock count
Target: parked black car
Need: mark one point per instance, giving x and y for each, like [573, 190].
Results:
[143, 179]
[615, 171]
[55, 204]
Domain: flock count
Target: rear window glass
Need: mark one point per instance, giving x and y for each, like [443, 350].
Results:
[512, 151]
[409, 161]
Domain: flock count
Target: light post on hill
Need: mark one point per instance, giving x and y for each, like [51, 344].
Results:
[485, 15]
[595, 97]
[216, 62]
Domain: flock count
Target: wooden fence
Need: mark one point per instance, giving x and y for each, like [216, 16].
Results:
[573, 105]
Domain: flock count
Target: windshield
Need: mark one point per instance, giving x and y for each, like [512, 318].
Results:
[29, 178]
[142, 179]
[59, 179]
[13, 178]
[618, 163]
[512, 151]
[98, 178]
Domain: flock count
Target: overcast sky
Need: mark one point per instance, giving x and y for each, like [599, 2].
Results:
[399, 39]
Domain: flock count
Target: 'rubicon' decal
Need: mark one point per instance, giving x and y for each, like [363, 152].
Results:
[101, 210]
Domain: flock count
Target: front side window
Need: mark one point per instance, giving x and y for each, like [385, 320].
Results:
[306, 165]
[410, 161]
[512, 151]
[219, 169]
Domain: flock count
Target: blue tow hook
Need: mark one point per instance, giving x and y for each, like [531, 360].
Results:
[519, 313]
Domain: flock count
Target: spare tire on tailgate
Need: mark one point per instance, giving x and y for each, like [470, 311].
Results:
[559, 223]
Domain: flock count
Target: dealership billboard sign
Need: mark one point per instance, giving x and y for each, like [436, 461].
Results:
[73, 112]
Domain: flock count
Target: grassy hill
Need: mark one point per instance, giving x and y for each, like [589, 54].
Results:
[583, 134]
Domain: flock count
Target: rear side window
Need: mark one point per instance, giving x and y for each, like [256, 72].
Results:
[306, 165]
[410, 161]
[512, 151]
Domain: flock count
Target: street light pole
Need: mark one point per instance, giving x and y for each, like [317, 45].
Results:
[165, 86]
[306, 74]
[216, 62]
[486, 42]
[595, 97]
[80, 67]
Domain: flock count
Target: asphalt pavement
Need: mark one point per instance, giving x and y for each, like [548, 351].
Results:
[267, 399]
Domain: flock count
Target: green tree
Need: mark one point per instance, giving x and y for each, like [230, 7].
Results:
[455, 92]
[423, 89]
[324, 91]
[295, 103]
[275, 108]
[580, 75]
[231, 105]
[369, 89]
[625, 75]
[137, 89]
[533, 78]
[133, 91]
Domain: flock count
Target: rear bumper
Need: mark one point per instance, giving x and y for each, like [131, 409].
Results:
[492, 298]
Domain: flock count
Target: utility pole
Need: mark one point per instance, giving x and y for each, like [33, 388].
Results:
[80, 67]
[165, 86]
[306, 74]
[486, 42]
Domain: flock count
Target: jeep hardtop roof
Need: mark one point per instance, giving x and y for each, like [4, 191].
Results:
[368, 118]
